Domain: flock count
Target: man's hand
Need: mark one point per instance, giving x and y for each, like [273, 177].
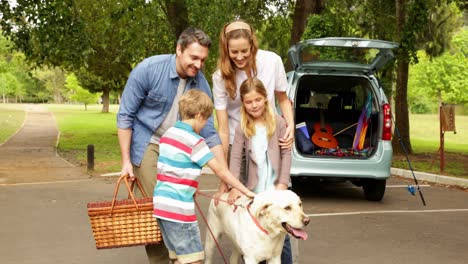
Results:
[127, 168]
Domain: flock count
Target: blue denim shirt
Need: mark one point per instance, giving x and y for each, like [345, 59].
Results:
[148, 97]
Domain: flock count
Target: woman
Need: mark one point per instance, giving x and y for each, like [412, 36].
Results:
[240, 59]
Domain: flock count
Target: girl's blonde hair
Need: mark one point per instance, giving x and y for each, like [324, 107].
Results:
[225, 65]
[195, 102]
[247, 122]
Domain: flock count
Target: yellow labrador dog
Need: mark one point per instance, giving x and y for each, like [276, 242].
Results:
[257, 231]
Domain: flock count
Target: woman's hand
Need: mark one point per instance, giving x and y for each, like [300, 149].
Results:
[281, 187]
[288, 138]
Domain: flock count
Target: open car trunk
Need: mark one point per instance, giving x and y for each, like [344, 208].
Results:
[337, 116]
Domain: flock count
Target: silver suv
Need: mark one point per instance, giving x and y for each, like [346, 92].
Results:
[343, 118]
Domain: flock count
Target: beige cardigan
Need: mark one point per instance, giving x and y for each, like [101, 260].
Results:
[280, 158]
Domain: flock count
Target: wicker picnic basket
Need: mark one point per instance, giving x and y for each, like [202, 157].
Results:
[124, 223]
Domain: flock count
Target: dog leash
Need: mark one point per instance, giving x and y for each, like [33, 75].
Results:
[211, 232]
[255, 219]
[235, 208]
[221, 200]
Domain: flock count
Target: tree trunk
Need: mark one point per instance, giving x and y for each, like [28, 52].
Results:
[302, 10]
[105, 100]
[401, 110]
[401, 101]
[177, 15]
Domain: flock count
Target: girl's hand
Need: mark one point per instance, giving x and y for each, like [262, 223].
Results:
[250, 194]
[288, 138]
[234, 194]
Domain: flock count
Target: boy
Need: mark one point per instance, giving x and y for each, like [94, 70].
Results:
[183, 153]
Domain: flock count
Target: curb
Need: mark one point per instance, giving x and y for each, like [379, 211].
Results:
[429, 177]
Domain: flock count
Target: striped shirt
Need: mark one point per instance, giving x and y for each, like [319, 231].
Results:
[182, 154]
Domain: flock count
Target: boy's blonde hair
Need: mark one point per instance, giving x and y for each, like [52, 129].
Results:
[195, 102]
[247, 122]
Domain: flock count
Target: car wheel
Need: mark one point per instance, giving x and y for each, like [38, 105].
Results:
[374, 190]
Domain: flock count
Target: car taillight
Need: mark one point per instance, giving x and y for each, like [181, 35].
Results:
[387, 122]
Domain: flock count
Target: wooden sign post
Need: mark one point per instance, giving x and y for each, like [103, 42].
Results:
[447, 123]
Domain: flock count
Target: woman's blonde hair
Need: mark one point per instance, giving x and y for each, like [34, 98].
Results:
[247, 122]
[225, 65]
[195, 102]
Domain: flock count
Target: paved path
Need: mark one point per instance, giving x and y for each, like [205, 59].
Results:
[43, 201]
[30, 155]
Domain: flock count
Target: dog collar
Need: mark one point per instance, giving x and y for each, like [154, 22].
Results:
[255, 219]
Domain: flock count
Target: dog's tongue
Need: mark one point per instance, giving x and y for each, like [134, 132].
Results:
[299, 233]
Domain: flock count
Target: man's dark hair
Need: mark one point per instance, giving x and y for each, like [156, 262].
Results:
[191, 35]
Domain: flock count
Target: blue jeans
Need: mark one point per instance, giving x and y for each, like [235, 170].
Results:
[182, 240]
[286, 255]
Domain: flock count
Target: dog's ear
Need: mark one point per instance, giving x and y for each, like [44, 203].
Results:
[263, 210]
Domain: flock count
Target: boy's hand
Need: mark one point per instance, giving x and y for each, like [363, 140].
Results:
[221, 189]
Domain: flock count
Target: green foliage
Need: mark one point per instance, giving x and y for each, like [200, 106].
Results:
[443, 78]
[77, 93]
[353, 18]
[444, 20]
[280, 27]
[15, 82]
[101, 41]
[53, 79]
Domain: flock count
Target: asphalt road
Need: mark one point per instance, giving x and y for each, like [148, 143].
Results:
[44, 217]
[47, 223]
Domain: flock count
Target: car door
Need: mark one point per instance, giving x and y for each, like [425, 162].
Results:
[341, 54]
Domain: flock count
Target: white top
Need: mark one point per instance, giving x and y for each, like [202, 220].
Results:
[265, 172]
[172, 115]
[270, 71]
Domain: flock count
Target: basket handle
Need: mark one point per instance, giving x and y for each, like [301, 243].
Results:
[125, 178]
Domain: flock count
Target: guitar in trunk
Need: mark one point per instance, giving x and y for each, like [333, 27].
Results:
[323, 134]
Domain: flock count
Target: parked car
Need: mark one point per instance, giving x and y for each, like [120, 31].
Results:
[342, 115]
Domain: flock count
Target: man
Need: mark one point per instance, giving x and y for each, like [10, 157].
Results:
[149, 106]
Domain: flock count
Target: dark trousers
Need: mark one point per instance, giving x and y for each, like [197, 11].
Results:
[286, 255]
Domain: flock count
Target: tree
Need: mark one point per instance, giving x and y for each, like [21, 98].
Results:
[302, 10]
[54, 81]
[440, 79]
[14, 71]
[78, 94]
[418, 22]
[101, 37]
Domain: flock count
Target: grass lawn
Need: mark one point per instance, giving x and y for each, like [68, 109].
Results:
[11, 119]
[425, 135]
[79, 128]
[425, 140]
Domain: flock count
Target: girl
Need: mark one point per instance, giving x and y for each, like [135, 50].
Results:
[258, 133]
